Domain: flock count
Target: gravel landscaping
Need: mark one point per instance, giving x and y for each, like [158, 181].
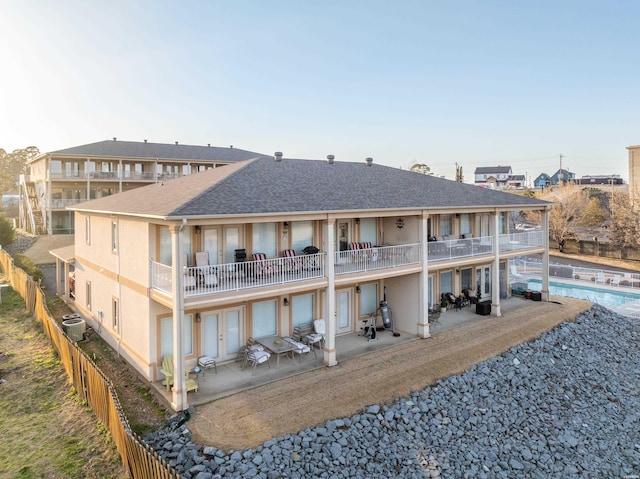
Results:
[565, 405]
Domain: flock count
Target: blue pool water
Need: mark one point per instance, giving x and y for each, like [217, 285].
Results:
[595, 295]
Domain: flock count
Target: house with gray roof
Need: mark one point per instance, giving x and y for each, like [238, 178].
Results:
[495, 177]
[291, 257]
[70, 176]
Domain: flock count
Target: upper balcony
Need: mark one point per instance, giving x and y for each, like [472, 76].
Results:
[224, 278]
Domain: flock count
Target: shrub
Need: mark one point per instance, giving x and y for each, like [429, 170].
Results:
[7, 232]
[28, 266]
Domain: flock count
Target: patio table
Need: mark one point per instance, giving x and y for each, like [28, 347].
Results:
[277, 346]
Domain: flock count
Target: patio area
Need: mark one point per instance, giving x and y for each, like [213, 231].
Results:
[231, 378]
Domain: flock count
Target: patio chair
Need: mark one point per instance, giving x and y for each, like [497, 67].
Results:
[291, 262]
[189, 278]
[207, 273]
[455, 301]
[254, 356]
[513, 271]
[616, 280]
[318, 336]
[262, 266]
[167, 370]
[300, 348]
[599, 278]
[189, 383]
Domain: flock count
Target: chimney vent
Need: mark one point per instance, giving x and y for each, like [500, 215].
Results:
[176, 142]
[114, 138]
[369, 161]
[145, 141]
[278, 155]
[208, 145]
[330, 159]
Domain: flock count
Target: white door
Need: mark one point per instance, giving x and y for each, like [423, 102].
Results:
[344, 311]
[211, 244]
[231, 243]
[222, 333]
[483, 281]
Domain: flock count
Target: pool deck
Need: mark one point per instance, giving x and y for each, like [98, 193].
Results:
[631, 308]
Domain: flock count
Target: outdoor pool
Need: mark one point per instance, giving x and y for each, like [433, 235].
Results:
[595, 295]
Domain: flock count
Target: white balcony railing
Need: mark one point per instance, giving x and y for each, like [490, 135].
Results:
[516, 241]
[459, 248]
[381, 257]
[270, 272]
[238, 276]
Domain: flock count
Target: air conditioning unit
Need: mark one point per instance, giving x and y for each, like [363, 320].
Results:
[74, 327]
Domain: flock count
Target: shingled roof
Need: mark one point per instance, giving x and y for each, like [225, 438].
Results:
[267, 186]
[160, 151]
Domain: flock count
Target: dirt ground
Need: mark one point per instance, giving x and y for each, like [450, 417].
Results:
[287, 406]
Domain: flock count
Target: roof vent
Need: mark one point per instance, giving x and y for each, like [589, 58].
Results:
[208, 145]
[145, 141]
[330, 159]
[369, 161]
[278, 156]
[230, 146]
[176, 142]
[114, 138]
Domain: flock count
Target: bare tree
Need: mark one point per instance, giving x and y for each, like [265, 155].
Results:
[570, 202]
[624, 228]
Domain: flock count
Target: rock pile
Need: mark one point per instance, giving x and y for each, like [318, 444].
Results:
[566, 405]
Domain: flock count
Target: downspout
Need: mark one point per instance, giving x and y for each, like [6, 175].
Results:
[179, 396]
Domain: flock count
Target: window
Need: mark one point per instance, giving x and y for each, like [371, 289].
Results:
[264, 239]
[115, 312]
[301, 235]
[164, 238]
[88, 295]
[445, 225]
[166, 335]
[446, 282]
[466, 279]
[87, 229]
[264, 314]
[301, 310]
[368, 228]
[114, 236]
[465, 224]
[368, 298]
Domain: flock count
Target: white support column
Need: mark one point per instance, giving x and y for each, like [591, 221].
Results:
[545, 257]
[495, 270]
[179, 391]
[423, 305]
[328, 235]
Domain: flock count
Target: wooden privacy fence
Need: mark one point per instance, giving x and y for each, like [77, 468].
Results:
[138, 459]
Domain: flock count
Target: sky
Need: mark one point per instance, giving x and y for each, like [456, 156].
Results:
[473, 83]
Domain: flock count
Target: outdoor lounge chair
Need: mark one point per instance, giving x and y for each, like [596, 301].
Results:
[189, 278]
[616, 280]
[167, 370]
[207, 273]
[599, 277]
[291, 262]
[300, 348]
[262, 266]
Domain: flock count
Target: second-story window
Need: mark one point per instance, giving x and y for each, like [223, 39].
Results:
[87, 228]
[368, 230]
[114, 236]
[465, 224]
[301, 235]
[264, 239]
[445, 225]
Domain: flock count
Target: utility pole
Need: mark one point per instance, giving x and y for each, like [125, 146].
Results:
[561, 174]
